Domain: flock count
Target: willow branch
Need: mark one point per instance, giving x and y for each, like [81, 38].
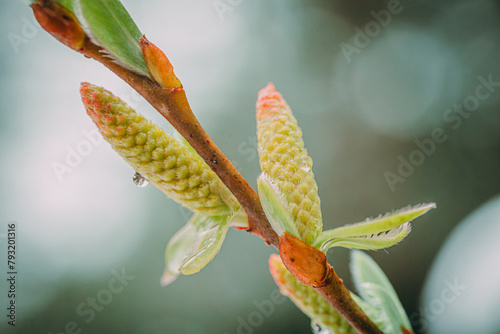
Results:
[173, 105]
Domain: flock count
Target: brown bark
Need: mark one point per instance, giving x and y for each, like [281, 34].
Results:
[306, 263]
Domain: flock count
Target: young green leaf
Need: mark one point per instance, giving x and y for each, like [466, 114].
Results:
[375, 289]
[275, 207]
[109, 25]
[377, 233]
[381, 240]
[206, 246]
[193, 246]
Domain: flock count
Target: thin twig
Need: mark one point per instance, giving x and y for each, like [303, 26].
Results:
[337, 295]
[172, 104]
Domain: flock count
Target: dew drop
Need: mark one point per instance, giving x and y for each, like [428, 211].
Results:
[139, 180]
[317, 329]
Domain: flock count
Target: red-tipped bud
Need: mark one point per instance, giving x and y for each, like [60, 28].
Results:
[269, 102]
[158, 64]
[61, 23]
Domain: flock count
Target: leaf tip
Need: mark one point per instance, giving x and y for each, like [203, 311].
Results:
[431, 205]
[168, 277]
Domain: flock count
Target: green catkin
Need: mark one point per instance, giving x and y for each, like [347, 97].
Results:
[163, 161]
[284, 159]
[307, 299]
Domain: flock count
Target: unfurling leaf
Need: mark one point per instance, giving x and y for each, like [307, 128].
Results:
[275, 207]
[373, 241]
[193, 246]
[109, 25]
[381, 232]
[196, 244]
[376, 290]
[287, 167]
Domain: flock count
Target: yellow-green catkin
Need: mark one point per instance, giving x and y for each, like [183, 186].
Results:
[307, 299]
[180, 173]
[284, 159]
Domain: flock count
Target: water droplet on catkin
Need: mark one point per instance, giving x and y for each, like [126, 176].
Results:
[139, 180]
[317, 329]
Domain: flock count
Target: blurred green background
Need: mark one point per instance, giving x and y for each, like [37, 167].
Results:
[367, 81]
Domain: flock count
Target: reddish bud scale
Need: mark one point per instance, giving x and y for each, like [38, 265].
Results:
[58, 21]
[158, 64]
[307, 299]
[305, 262]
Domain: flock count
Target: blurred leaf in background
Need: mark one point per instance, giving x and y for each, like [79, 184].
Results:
[462, 294]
